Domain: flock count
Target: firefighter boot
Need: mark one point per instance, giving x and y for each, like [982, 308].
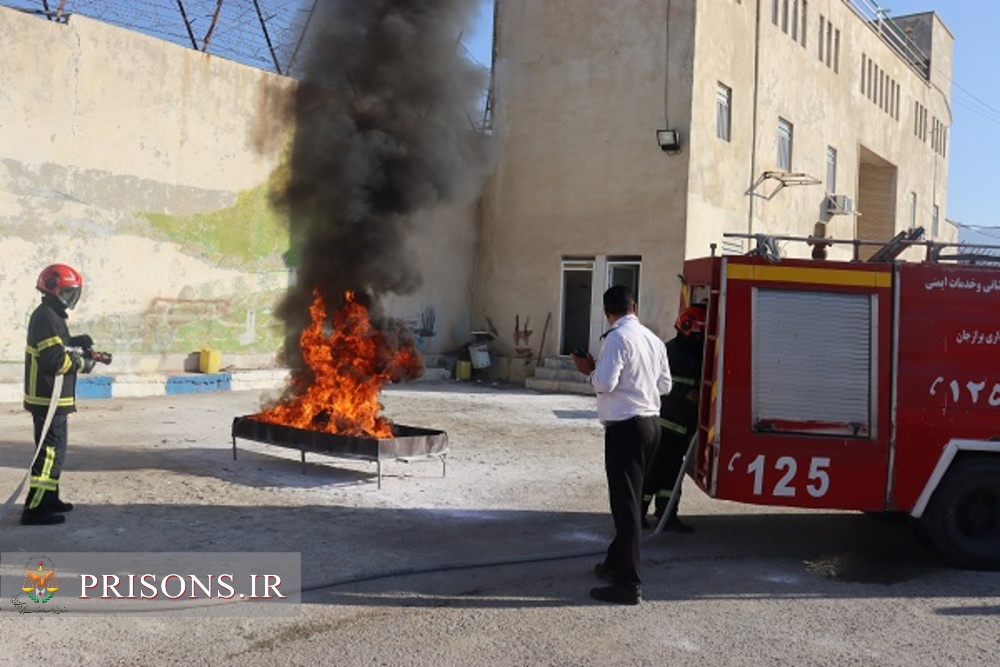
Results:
[646, 500]
[37, 512]
[56, 505]
[673, 522]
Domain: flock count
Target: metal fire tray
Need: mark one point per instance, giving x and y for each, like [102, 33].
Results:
[409, 443]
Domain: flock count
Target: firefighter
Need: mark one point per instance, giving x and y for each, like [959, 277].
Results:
[678, 416]
[50, 352]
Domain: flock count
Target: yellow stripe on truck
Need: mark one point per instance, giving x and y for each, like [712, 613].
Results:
[796, 274]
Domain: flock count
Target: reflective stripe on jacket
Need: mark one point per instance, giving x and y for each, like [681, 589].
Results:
[45, 357]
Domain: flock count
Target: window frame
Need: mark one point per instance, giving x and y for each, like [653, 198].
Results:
[723, 111]
[786, 140]
[831, 170]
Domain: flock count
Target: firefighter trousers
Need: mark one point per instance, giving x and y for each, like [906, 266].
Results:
[662, 472]
[47, 466]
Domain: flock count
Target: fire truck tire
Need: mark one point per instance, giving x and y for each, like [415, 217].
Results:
[963, 517]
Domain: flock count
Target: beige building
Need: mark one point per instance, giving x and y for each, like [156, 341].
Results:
[787, 113]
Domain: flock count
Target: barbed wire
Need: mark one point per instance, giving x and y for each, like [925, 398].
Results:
[241, 31]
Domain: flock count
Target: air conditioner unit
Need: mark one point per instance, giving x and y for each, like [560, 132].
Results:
[839, 204]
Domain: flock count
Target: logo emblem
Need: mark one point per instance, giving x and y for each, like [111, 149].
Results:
[40, 582]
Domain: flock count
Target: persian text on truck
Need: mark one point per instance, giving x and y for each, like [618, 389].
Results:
[870, 386]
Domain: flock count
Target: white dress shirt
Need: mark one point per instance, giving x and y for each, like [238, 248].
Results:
[631, 373]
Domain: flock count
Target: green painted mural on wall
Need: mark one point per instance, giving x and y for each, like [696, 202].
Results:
[251, 231]
[250, 237]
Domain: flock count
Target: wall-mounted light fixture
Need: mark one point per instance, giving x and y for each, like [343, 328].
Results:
[669, 140]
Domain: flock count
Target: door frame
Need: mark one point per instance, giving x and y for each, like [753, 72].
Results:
[574, 264]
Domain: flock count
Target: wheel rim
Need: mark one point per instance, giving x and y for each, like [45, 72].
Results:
[977, 514]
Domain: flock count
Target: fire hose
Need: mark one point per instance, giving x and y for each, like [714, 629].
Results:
[57, 385]
[53, 403]
[366, 577]
[404, 571]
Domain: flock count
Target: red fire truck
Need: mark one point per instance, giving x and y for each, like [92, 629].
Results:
[871, 386]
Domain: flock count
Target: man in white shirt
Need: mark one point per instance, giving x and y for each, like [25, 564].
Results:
[629, 376]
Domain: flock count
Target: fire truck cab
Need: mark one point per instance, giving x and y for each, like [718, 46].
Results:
[871, 386]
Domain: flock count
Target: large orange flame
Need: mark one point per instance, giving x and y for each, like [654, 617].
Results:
[345, 373]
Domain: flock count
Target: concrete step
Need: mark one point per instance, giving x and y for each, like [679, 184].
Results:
[559, 375]
[558, 386]
[558, 363]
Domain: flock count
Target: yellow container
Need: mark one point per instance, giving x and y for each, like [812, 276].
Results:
[463, 370]
[209, 361]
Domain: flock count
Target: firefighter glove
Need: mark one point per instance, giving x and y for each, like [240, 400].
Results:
[82, 364]
[83, 340]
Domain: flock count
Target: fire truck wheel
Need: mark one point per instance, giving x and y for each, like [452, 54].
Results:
[963, 516]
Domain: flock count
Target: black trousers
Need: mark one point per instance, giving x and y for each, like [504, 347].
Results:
[628, 445]
[47, 466]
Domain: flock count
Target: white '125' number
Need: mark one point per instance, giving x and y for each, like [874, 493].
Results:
[819, 479]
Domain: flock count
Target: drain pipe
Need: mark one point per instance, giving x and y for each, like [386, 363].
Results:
[753, 129]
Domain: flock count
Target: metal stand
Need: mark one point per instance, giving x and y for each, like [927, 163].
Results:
[377, 460]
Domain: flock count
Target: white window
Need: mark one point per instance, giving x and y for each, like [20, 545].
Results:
[836, 51]
[805, 11]
[785, 130]
[822, 25]
[829, 42]
[831, 169]
[723, 111]
[913, 210]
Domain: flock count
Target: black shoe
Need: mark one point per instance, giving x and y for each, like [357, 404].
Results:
[59, 506]
[40, 517]
[617, 594]
[674, 524]
[604, 572]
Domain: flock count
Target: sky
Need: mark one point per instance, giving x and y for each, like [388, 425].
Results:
[974, 141]
[974, 138]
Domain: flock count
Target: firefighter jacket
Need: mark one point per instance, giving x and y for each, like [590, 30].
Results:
[45, 357]
[677, 412]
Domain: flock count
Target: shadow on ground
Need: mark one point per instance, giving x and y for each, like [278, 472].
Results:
[500, 558]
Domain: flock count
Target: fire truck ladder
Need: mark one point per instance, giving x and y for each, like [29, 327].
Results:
[704, 432]
[707, 392]
[888, 251]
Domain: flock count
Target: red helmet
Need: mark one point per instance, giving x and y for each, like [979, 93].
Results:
[63, 282]
[691, 320]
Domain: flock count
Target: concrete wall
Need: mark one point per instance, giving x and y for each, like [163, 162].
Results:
[145, 166]
[148, 167]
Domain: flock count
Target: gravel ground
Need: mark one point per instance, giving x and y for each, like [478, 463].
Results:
[500, 549]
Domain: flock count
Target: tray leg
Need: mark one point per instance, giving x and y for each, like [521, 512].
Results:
[234, 448]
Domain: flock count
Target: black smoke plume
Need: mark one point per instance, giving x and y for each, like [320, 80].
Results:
[384, 134]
